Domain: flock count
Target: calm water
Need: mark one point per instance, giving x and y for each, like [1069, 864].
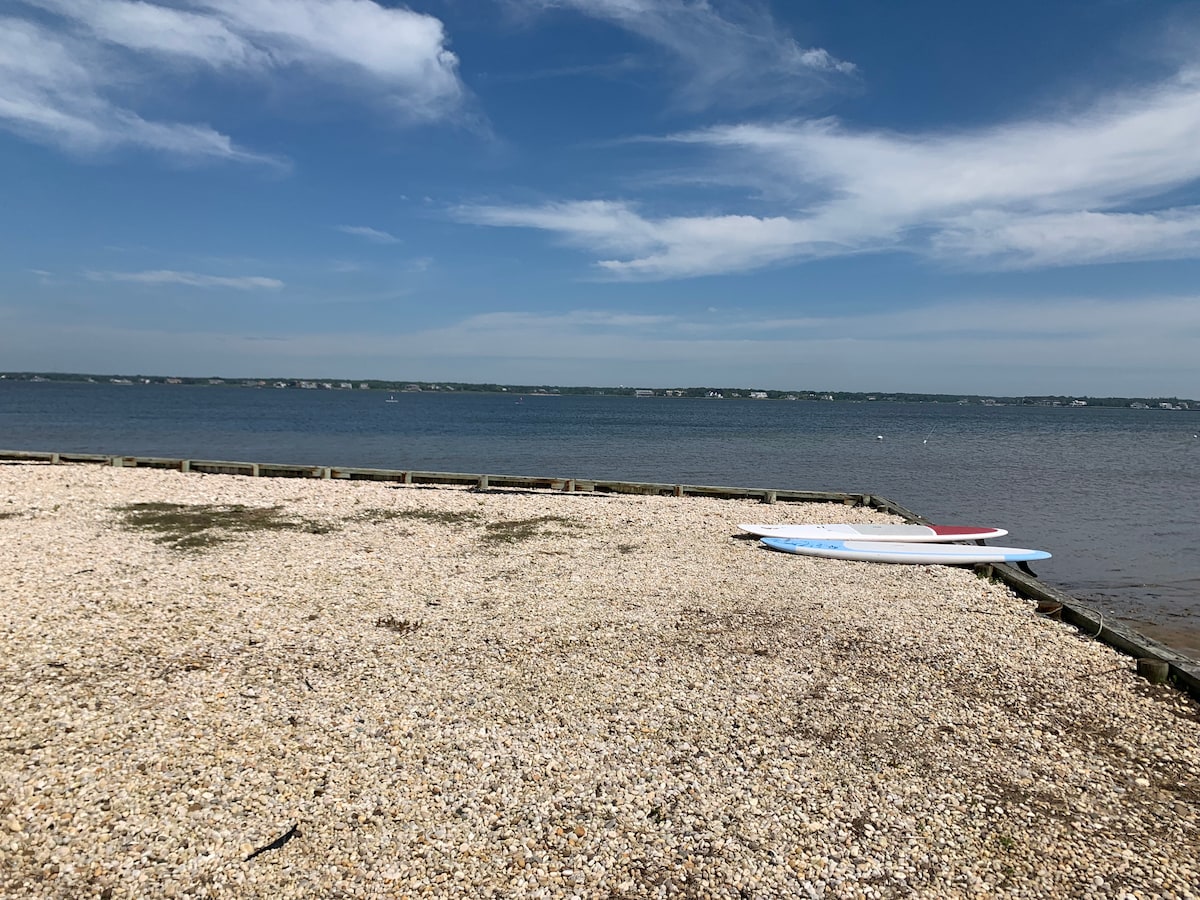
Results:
[1112, 493]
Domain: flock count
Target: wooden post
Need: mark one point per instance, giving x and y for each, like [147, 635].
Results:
[1154, 670]
[769, 497]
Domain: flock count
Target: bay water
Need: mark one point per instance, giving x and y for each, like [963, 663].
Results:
[1112, 493]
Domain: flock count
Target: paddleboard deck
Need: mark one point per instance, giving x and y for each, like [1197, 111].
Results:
[906, 533]
[901, 552]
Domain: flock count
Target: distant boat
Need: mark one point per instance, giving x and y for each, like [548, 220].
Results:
[391, 399]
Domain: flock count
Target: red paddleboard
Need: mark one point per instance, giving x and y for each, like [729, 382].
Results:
[909, 533]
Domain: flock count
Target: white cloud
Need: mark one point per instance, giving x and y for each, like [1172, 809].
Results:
[403, 52]
[161, 30]
[371, 234]
[192, 279]
[1084, 188]
[590, 223]
[72, 76]
[1072, 238]
[731, 52]
[714, 244]
[661, 248]
[1127, 146]
[53, 87]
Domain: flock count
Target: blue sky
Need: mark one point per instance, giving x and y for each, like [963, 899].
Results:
[862, 195]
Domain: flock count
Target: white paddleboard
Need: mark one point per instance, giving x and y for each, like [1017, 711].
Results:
[899, 552]
[910, 533]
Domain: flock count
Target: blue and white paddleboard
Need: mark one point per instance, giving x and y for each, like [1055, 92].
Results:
[882, 532]
[900, 552]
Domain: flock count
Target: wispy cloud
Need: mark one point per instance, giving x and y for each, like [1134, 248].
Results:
[1086, 188]
[611, 226]
[730, 52]
[371, 234]
[660, 248]
[54, 87]
[192, 279]
[1016, 240]
[67, 76]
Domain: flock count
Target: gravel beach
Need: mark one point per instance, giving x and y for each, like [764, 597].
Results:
[220, 686]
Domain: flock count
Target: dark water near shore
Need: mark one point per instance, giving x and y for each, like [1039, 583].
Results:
[1113, 493]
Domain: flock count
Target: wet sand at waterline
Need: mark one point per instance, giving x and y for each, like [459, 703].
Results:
[1183, 639]
[226, 686]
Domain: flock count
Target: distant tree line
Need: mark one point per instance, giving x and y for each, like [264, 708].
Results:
[707, 392]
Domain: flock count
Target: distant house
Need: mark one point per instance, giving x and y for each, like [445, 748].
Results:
[762, 395]
[642, 392]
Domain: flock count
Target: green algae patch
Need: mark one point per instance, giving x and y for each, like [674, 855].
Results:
[196, 526]
[514, 531]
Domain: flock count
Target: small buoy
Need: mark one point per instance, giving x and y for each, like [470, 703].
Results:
[879, 437]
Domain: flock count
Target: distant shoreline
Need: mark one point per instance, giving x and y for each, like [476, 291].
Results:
[1174, 404]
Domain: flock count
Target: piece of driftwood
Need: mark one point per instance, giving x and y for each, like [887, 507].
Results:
[292, 832]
